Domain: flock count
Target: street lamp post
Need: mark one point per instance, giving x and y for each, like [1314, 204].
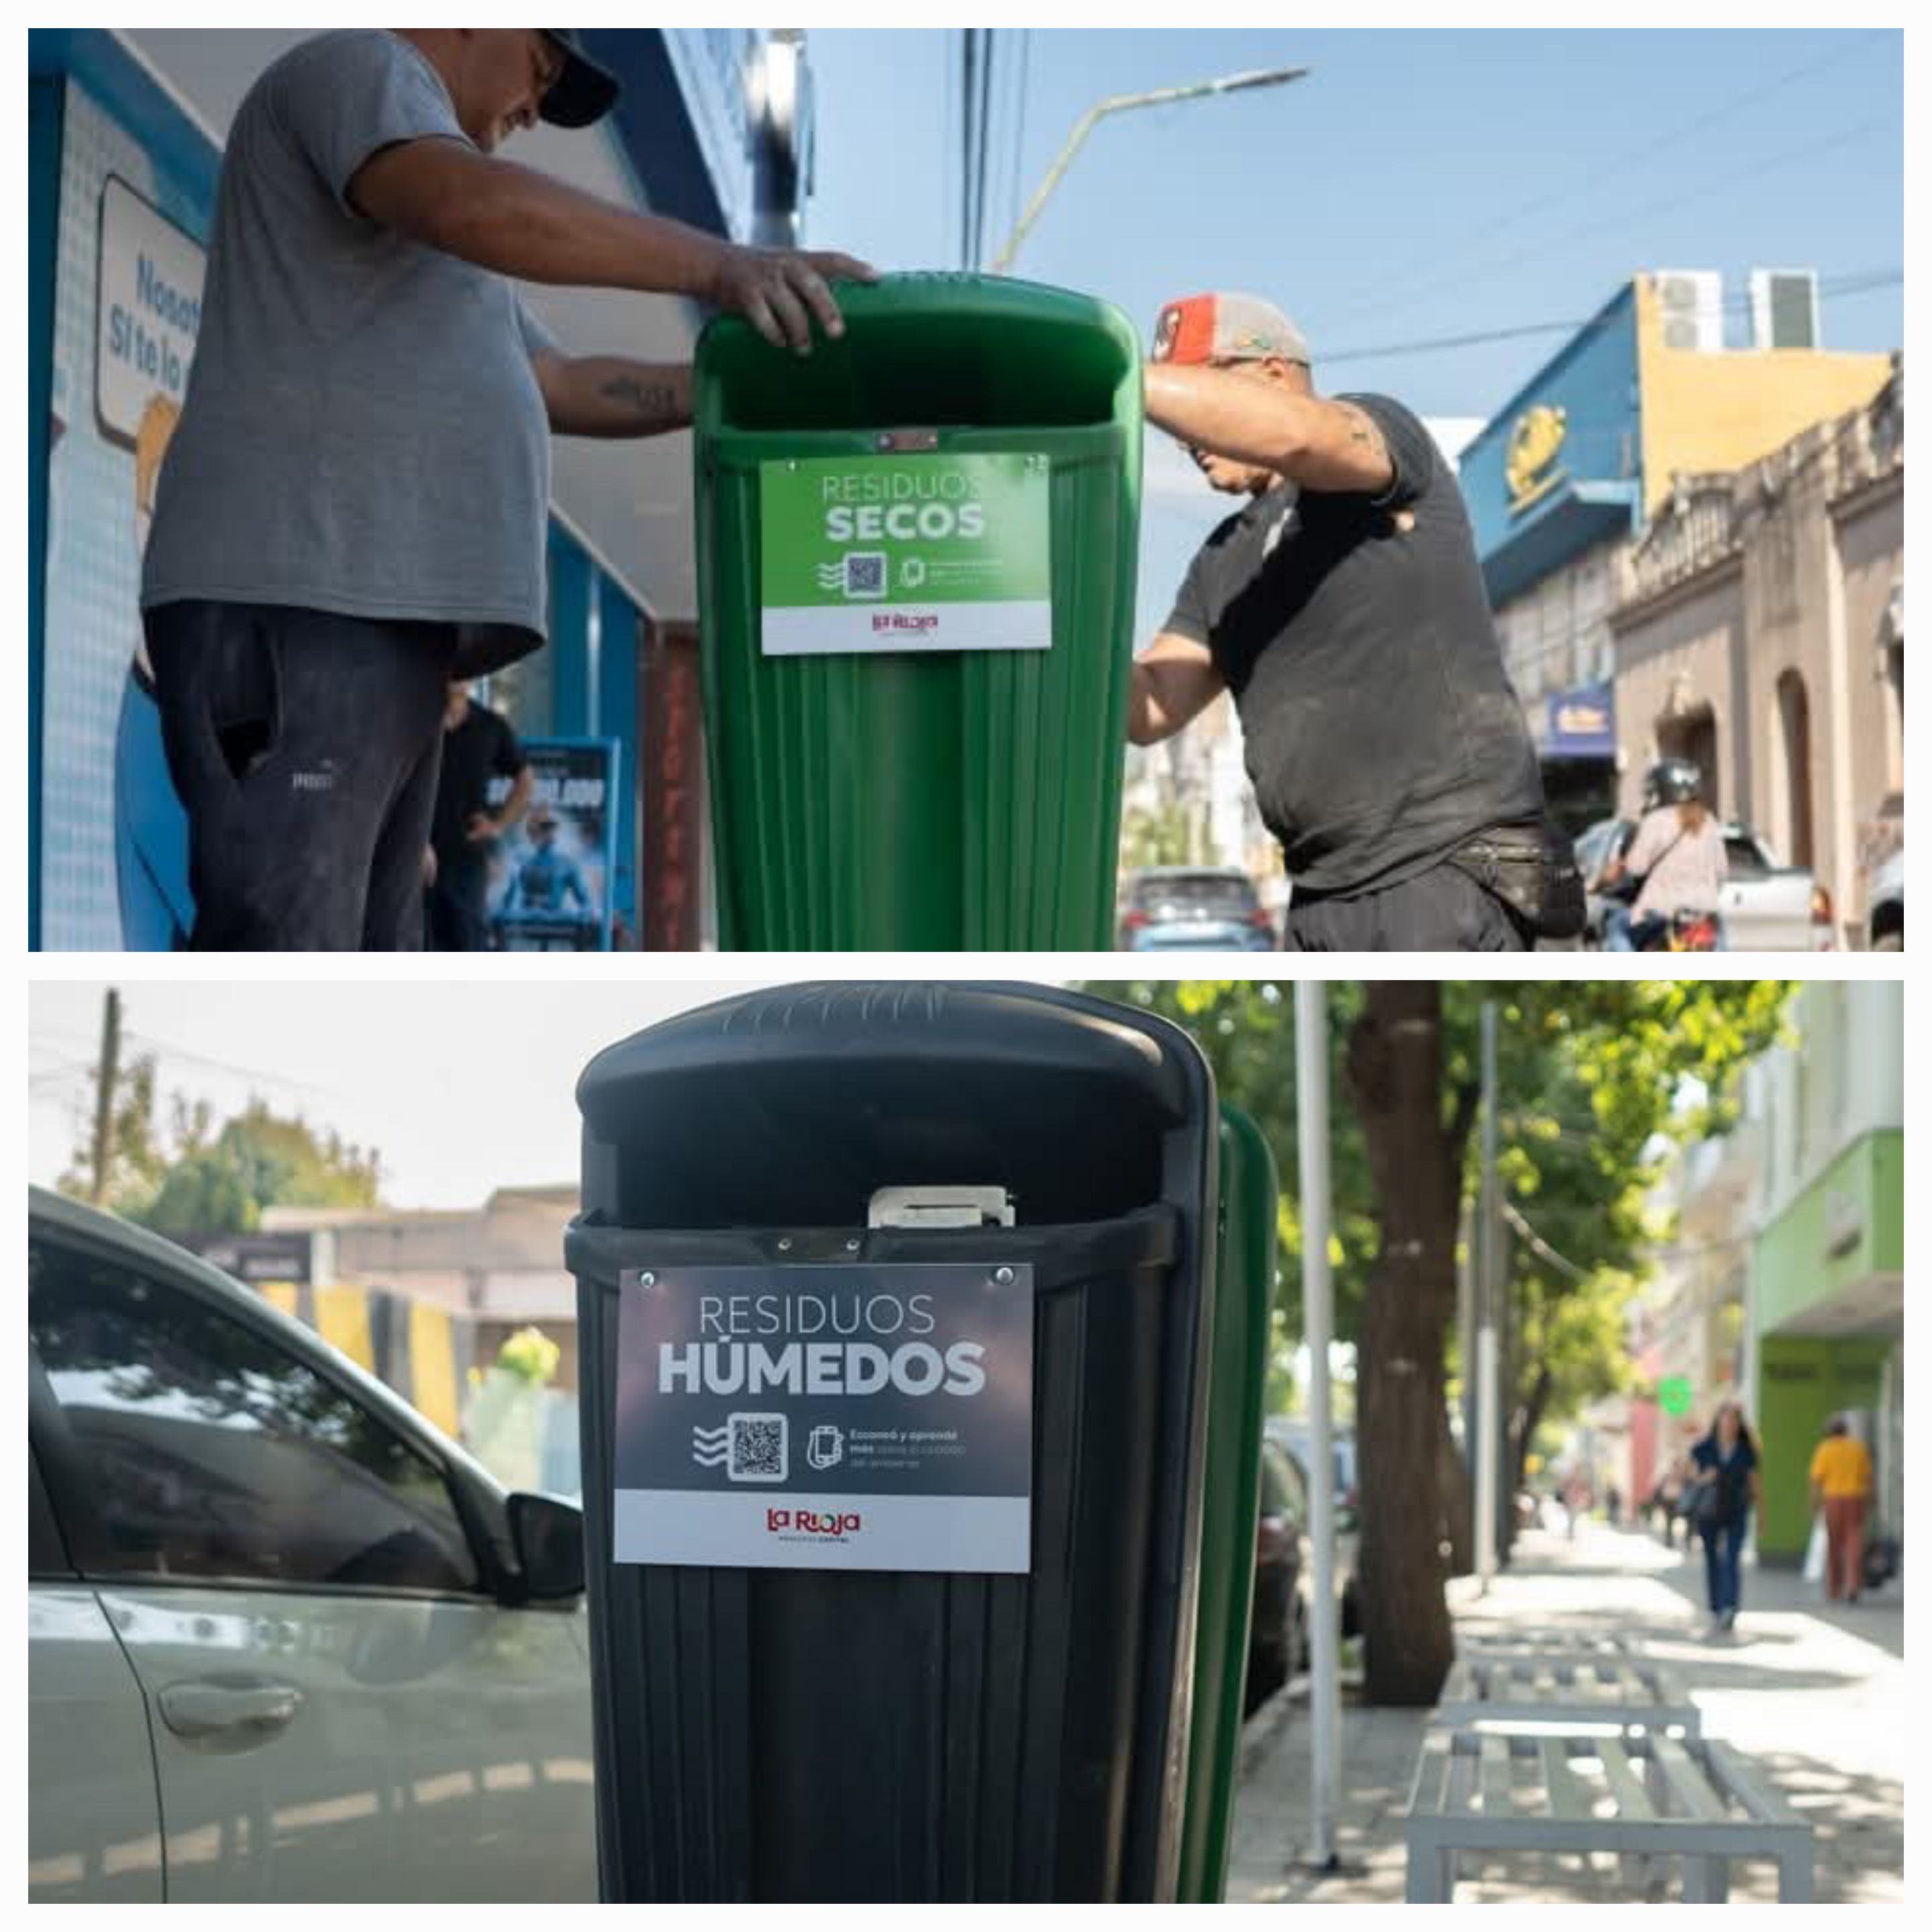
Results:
[1117, 103]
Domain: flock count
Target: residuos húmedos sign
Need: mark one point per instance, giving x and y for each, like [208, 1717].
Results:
[873, 1416]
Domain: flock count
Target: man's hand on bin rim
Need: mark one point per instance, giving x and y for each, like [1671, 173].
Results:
[502, 216]
[778, 291]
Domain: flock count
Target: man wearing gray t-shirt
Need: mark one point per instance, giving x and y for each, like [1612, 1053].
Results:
[354, 506]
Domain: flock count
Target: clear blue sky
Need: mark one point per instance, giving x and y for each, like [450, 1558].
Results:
[1415, 185]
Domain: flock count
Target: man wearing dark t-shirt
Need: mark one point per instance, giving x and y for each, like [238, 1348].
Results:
[477, 746]
[1345, 609]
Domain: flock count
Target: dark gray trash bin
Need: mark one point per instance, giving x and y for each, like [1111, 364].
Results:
[862, 1733]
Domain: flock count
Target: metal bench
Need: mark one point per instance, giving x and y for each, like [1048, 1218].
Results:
[1494, 1685]
[1646, 1796]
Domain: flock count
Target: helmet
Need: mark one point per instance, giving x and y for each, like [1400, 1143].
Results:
[1671, 781]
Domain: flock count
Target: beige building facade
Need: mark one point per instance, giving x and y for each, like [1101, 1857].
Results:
[1761, 632]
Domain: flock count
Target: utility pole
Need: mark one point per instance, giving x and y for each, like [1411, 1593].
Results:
[105, 1075]
[1487, 1403]
[1318, 1304]
[1465, 1346]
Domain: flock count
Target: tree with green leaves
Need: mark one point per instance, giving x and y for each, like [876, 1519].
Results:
[205, 1176]
[1597, 1081]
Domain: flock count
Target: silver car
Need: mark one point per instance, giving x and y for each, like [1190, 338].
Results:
[286, 1641]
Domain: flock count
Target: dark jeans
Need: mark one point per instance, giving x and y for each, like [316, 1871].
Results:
[305, 746]
[457, 906]
[1440, 911]
[1724, 1543]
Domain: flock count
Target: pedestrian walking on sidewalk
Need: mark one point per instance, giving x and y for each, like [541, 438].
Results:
[353, 507]
[1726, 1488]
[1841, 1486]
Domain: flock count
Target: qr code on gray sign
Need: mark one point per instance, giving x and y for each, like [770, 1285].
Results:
[865, 573]
[758, 1448]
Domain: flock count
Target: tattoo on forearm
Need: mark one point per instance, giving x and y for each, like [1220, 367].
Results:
[1361, 429]
[654, 403]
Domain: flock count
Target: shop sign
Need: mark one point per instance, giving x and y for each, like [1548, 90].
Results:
[872, 1417]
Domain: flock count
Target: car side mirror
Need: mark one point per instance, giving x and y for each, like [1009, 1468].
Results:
[548, 1534]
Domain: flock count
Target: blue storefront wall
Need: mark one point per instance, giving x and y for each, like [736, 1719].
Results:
[1589, 486]
[107, 843]
[593, 688]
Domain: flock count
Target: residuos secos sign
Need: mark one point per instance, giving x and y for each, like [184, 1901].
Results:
[876, 1417]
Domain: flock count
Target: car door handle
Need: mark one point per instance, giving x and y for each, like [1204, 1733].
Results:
[230, 1713]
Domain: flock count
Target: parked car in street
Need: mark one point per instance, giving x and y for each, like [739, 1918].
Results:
[1284, 1593]
[286, 1640]
[1766, 907]
[1193, 907]
[1278, 1624]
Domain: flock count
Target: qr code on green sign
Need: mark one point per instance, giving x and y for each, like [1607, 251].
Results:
[865, 573]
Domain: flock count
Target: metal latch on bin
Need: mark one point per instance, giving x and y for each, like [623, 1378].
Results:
[905, 441]
[941, 1208]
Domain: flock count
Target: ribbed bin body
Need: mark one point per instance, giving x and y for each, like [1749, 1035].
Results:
[825, 1735]
[1243, 1294]
[943, 800]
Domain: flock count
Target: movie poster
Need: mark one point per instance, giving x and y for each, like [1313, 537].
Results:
[551, 877]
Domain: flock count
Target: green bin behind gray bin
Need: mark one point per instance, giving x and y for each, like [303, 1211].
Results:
[1243, 1297]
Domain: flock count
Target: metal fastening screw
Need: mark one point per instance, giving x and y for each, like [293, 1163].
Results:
[648, 1280]
[1004, 1276]
[851, 1247]
[784, 1244]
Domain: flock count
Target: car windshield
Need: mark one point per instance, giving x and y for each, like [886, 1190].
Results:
[1746, 858]
[1197, 895]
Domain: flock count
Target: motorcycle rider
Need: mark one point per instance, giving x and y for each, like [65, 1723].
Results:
[1677, 858]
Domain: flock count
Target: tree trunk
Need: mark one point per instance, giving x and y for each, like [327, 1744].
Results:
[1395, 1081]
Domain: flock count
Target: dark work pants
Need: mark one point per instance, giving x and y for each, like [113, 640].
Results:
[1440, 911]
[457, 906]
[305, 747]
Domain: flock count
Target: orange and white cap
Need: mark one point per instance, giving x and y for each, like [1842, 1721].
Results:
[1226, 329]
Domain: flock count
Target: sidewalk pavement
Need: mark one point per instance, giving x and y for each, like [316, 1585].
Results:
[1814, 1694]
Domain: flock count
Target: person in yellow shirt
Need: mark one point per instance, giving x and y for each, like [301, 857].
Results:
[1841, 1485]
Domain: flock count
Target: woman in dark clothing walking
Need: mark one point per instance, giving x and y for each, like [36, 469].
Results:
[1725, 1489]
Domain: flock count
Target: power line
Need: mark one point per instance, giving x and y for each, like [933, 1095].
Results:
[1020, 95]
[1643, 150]
[984, 131]
[1862, 282]
[149, 1044]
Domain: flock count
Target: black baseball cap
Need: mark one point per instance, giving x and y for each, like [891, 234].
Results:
[585, 92]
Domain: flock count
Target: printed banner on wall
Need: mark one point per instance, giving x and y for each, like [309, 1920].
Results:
[550, 888]
[938, 553]
[147, 312]
[127, 292]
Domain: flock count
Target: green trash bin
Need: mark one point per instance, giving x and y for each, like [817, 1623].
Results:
[917, 553]
[1243, 1294]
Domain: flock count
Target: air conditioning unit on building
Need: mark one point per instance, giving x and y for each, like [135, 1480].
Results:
[1691, 304]
[1784, 308]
